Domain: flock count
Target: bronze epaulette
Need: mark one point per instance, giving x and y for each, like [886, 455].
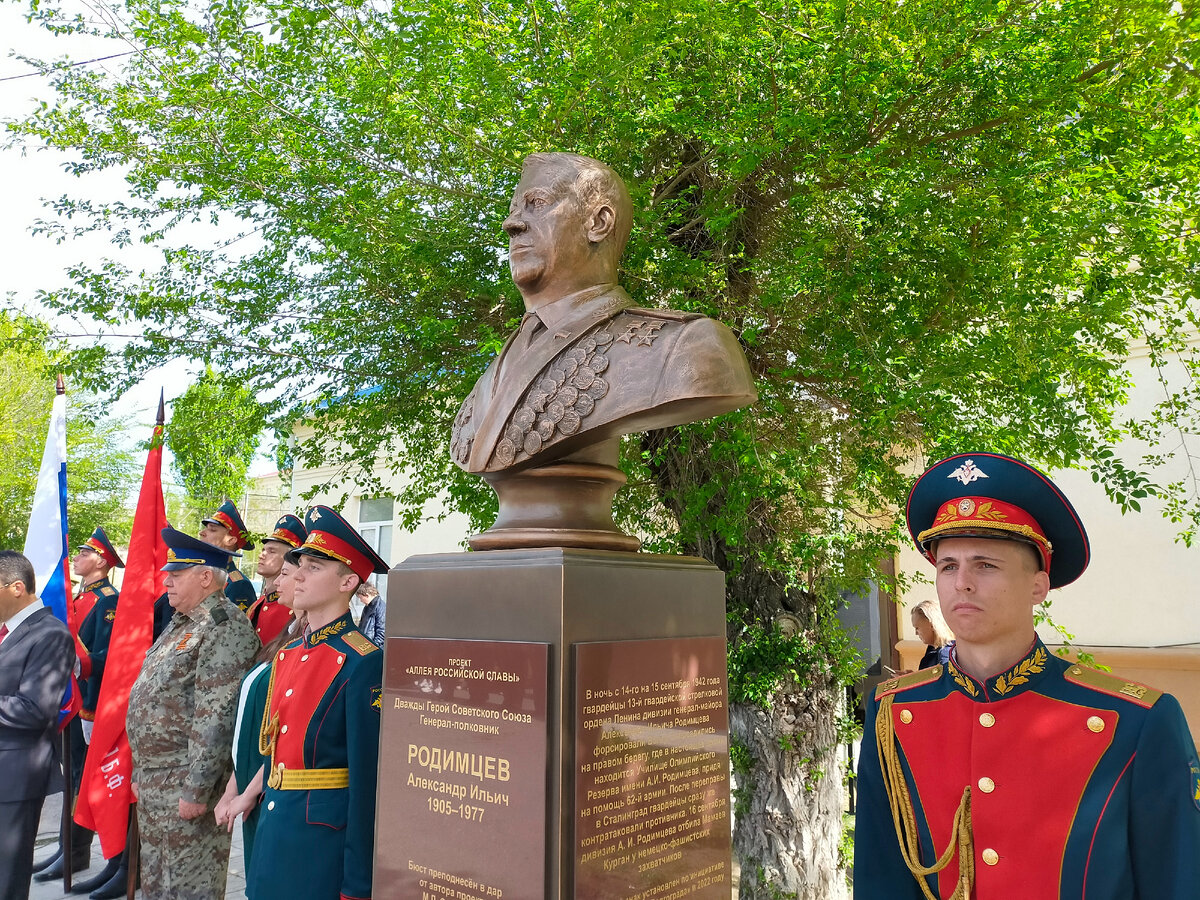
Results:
[1133, 691]
[236, 575]
[904, 682]
[108, 591]
[359, 642]
[671, 315]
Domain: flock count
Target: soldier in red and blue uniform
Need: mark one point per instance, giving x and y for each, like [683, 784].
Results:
[91, 610]
[320, 731]
[1009, 772]
[225, 529]
[96, 626]
[267, 614]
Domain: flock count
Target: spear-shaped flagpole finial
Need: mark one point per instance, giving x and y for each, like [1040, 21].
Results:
[60, 386]
[162, 414]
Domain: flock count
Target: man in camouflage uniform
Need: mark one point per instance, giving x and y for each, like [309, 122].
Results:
[180, 724]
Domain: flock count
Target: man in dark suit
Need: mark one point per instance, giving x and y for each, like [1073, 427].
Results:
[586, 366]
[36, 657]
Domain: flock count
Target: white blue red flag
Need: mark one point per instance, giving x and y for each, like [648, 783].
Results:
[46, 540]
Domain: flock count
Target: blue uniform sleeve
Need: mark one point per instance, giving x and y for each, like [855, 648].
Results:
[363, 708]
[880, 872]
[101, 637]
[241, 592]
[1164, 828]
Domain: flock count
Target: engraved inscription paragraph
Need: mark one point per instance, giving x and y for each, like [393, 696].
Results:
[652, 770]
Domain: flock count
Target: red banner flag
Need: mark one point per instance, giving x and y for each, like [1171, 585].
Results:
[104, 794]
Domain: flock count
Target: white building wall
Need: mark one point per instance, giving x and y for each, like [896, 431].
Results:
[1142, 587]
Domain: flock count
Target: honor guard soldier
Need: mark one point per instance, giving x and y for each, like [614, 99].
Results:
[225, 529]
[180, 724]
[320, 731]
[93, 608]
[1007, 771]
[95, 636]
[268, 615]
[97, 557]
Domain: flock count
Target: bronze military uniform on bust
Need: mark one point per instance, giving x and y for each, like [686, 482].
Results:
[586, 366]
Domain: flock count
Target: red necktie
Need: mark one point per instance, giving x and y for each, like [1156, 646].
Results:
[3, 633]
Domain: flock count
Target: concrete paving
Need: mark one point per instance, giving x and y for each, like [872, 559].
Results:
[47, 840]
[235, 887]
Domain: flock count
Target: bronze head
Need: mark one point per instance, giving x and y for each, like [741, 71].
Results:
[568, 223]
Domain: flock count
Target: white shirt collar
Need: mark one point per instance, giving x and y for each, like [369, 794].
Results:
[24, 614]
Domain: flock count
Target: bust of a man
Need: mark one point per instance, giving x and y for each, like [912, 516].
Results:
[586, 365]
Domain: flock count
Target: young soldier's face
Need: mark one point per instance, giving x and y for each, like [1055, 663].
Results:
[270, 558]
[217, 535]
[320, 583]
[87, 562]
[988, 589]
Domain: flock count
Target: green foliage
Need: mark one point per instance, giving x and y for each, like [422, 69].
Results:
[214, 430]
[101, 470]
[846, 846]
[763, 658]
[933, 225]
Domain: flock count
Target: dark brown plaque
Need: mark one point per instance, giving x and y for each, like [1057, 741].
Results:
[652, 770]
[462, 784]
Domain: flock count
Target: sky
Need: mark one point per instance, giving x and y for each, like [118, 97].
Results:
[31, 176]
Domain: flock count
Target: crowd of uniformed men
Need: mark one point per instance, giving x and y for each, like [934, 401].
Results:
[1002, 771]
[265, 706]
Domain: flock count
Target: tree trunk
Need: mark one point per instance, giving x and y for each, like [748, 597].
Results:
[788, 805]
[788, 792]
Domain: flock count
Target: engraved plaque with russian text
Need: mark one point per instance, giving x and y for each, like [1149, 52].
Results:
[652, 770]
[463, 769]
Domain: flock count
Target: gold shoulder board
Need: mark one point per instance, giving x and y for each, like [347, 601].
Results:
[904, 682]
[108, 591]
[1133, 691]
[236, 575]
[359, 642]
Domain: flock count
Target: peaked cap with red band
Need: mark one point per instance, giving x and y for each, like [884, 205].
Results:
[99, 543]
[332, 537]
[228, 516]
[992, 496]
[288, 530]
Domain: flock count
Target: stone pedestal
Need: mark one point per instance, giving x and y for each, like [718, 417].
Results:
[555, 725]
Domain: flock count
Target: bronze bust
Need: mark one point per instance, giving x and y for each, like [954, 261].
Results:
[586, 366]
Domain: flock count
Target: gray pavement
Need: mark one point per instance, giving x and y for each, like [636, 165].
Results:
[47, 840]
[235, 887]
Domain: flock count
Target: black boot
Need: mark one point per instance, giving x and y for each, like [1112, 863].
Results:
[48, 861]
[81, 847]
[95, 883]
[55, 870]
[117, 886]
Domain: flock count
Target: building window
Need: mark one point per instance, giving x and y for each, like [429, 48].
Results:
[375, 525]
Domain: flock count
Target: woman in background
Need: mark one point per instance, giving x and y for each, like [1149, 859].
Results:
[933, 631]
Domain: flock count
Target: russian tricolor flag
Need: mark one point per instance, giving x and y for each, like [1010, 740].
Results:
[46, 543]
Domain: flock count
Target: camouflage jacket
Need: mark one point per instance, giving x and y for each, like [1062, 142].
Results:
[182, 706]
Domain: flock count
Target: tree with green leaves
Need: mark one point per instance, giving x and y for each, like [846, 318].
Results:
[215, 427]
[101, 466]
[933, 225]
